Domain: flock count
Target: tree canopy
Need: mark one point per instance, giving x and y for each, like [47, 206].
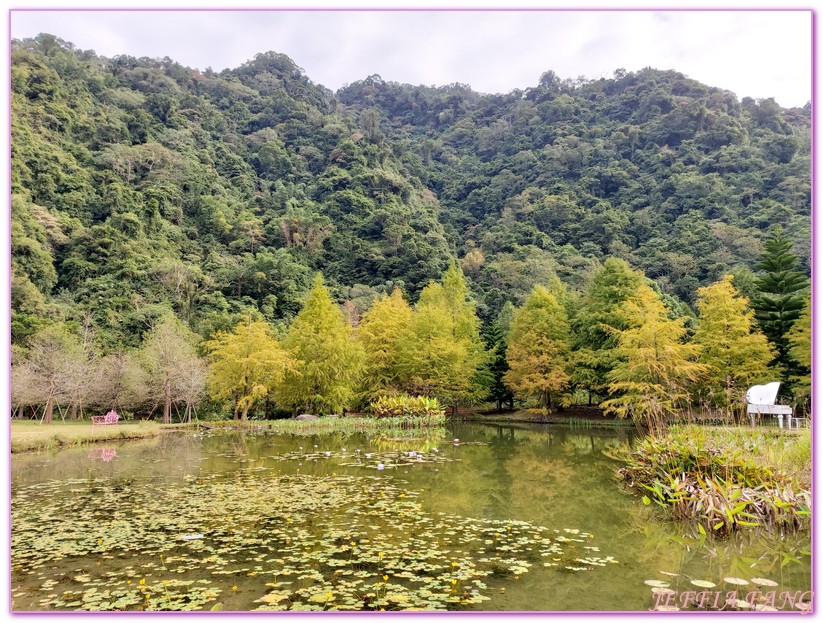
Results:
[142, 190]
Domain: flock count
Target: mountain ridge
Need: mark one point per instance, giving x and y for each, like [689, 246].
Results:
[140, 185]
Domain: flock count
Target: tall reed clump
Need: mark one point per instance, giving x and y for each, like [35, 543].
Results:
[718, 481]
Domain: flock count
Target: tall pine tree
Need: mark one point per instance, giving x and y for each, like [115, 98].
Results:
[780, 300]
[495, 335]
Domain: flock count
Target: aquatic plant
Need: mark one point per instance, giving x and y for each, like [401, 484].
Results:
[719, 487]
[269, 542]
[405, 406]
[408, 427]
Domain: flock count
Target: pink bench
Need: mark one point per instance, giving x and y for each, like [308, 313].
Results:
[110, 418]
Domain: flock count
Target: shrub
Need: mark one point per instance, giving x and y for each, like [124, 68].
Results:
[407, 406]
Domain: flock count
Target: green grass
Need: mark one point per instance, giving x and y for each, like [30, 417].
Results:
[31, 436]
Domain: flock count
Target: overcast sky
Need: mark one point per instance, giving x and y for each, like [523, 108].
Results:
[752, 53]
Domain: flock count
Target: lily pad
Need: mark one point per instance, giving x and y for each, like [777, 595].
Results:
[736, 581]
[763, 582]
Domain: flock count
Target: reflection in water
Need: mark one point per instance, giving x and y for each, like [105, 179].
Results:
[103, 454]
[545, 475]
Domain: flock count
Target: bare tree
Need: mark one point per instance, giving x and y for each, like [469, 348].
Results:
[119, 382]
[167, 356]
[48, 374]
[191, 384]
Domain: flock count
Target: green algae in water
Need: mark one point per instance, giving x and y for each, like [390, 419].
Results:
[269, 542]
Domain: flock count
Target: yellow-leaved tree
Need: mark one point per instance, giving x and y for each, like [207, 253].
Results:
[800, 351]
[329, 359]
[384, 326]
[246, 365]
[736, 353]
[539, 343]
[443, 354]
[656, 367]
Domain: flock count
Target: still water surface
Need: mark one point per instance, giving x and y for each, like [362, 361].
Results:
[556, 479]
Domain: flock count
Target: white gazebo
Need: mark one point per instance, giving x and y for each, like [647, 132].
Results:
[761, 402]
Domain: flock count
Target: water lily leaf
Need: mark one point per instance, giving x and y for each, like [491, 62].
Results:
[703, 583]
[656, 583]
[736, 581]
[763, 582]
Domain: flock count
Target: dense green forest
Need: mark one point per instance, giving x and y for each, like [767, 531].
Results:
[141, 187]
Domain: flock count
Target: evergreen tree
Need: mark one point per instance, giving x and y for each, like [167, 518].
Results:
[596, 322]
[538, 348]
[651, 380]
[780, 300]
[246, 365]
[329, 360]
[385, 325]
[736, 352]
[495, 337]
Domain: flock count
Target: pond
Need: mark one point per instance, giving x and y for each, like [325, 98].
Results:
[511, 518]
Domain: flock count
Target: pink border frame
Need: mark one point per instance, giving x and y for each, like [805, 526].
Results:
[816, 399]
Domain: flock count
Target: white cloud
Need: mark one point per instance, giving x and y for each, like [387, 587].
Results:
[753, 53]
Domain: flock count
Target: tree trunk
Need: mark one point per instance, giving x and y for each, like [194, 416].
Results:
[73, 413]
[47, 414]
[244, 417]
[167, 406]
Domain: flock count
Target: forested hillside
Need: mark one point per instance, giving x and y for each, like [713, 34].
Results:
[139, 186]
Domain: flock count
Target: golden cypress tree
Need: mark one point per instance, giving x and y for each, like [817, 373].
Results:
[736, 352]
[538, 347]
[329, 358]
[800, 351]
[656, 367]
[246, 365]
[384, 326]
[443, 354]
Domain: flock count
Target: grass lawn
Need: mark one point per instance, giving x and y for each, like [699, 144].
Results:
[32, 436]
